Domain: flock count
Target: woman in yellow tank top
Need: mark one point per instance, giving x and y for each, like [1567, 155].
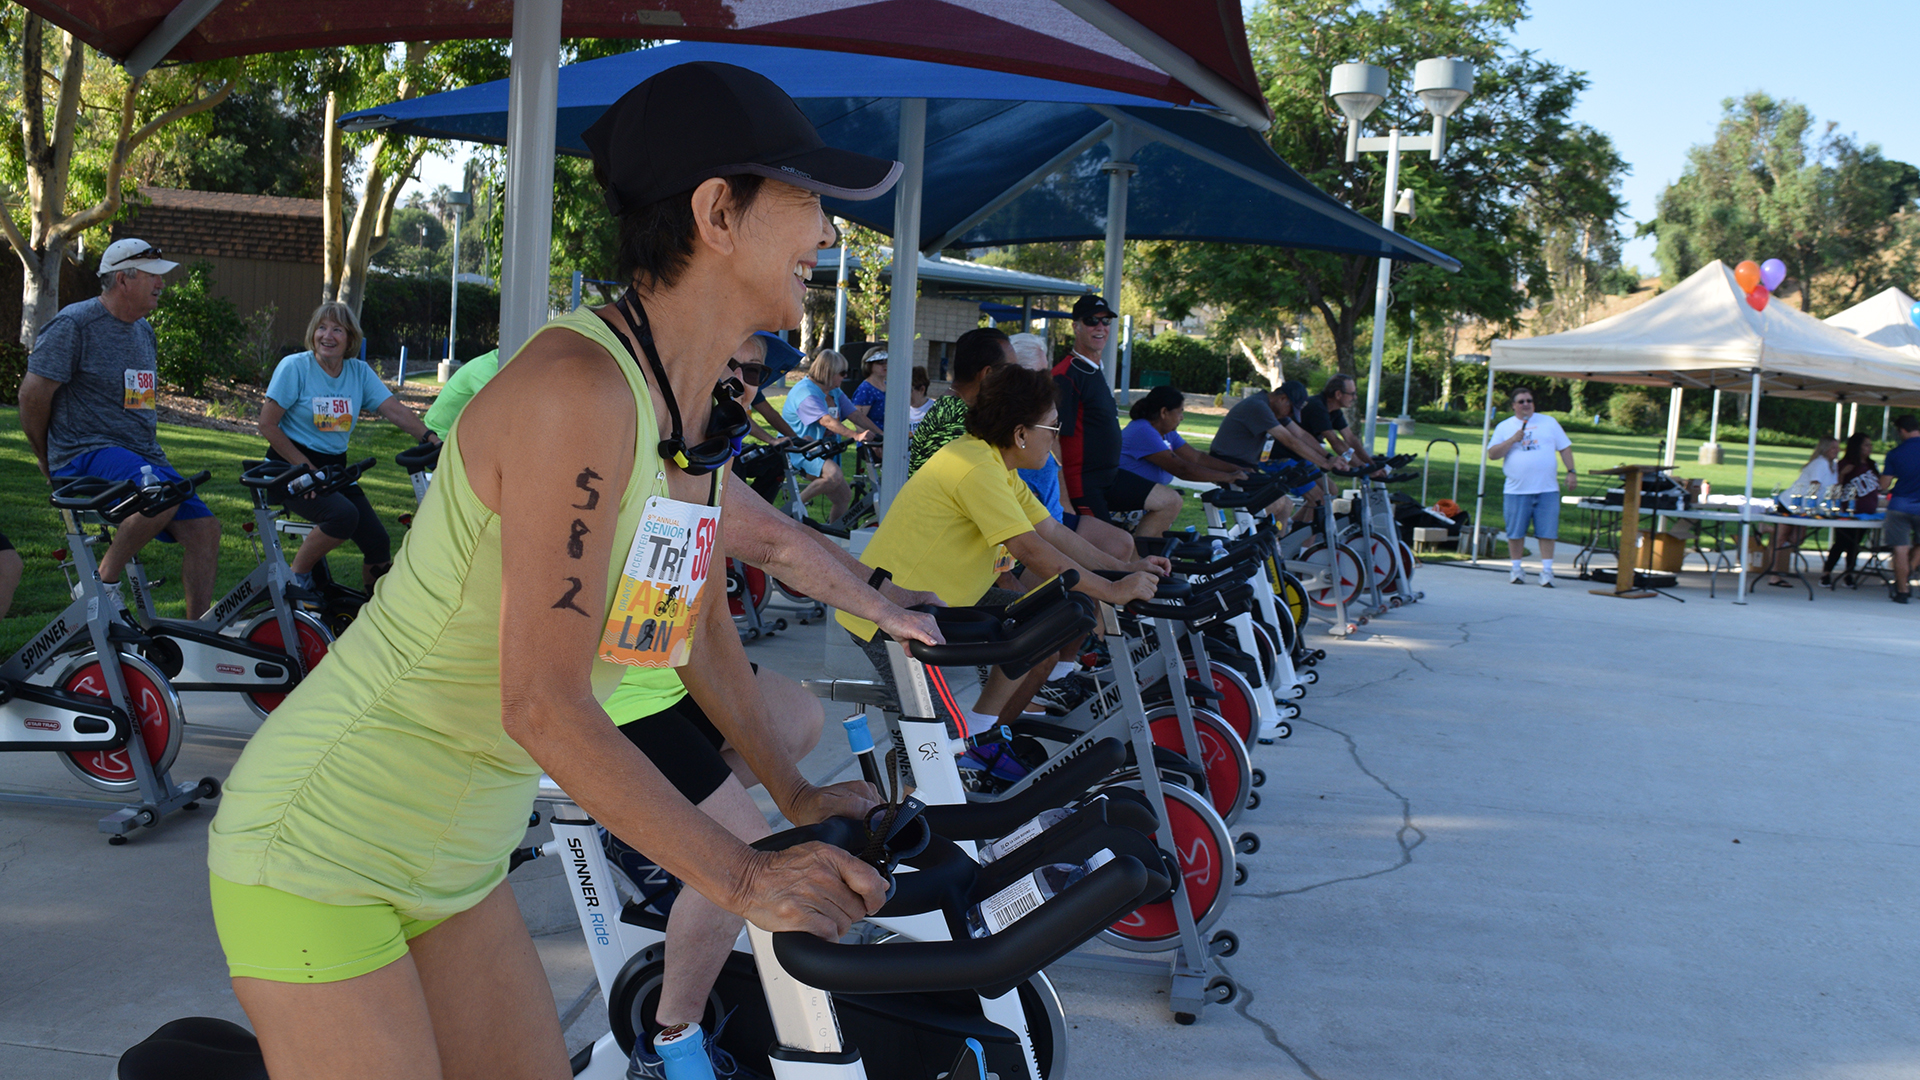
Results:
[358, 858]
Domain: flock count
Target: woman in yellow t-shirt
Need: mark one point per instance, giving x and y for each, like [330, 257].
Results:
[357, 863]
[965, 516]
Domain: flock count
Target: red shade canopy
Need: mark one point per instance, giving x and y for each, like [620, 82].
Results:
[1178, 51]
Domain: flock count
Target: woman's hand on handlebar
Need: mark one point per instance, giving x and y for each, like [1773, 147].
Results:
[1140, 585]
[904, 625]
[910, 597]
[849, 799]
[1152, 564]
[813, 888]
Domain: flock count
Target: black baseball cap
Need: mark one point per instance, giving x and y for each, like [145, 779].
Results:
[1088, 306]
[693, 122]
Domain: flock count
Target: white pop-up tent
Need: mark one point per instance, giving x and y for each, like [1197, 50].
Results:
[1703, 334]
[1885, 318]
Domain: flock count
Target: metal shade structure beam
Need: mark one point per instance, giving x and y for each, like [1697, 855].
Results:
[1178, 52]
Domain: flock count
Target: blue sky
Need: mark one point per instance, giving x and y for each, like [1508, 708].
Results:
[1659, 71]
[1660, 68]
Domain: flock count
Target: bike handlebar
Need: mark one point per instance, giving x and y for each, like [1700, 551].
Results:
[117, 500]
[422, 457]
[273, 476]
[946, 879]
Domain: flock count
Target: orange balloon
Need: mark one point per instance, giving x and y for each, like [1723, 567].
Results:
[1748, 275]
[1757, 296]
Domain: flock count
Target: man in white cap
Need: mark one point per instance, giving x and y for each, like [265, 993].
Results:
[87, 407]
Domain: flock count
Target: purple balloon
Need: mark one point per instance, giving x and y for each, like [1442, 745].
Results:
[1772, 273]
[1914, 314]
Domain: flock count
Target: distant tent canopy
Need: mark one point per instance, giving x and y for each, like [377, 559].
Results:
[1886, 319]
[1702, 334]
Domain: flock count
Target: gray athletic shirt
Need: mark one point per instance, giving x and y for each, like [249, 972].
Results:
[1243, 431]
[98, 358]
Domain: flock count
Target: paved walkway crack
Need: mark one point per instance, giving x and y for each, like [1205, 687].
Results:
[1243, 1004]
[1408, 836]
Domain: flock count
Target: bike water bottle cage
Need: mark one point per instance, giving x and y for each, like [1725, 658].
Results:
[727, 421]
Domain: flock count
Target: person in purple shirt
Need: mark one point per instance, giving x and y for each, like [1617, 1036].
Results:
[1151, 448]
[871, 394]
[1900, 474]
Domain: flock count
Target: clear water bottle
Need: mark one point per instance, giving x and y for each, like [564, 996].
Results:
[682, 1048]
[1006, 844]
[148, 478]
[302, 483]
[1024, 897]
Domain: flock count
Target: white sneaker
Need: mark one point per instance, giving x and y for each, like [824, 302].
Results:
[1546, 581]
[1519, 578]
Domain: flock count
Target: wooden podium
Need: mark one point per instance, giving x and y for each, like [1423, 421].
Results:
[1629, 530]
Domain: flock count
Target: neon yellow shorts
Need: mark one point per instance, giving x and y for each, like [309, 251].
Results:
[275, 935]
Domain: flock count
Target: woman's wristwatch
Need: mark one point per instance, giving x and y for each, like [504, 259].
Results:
[879, 577]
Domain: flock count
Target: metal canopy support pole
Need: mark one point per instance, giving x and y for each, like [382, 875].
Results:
[1836, 419]
[840, 294]
[526, 246]
[1853, 418]
[1746, 511]
[172, 30]
[1381, 290]
[1673, 426]
[1118, 168]
[453, 312]
[1480, 493]
[1713, 428]
[903, 294]
[1886, 420]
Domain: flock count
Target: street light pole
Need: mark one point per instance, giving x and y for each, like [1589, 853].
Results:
[1357, 89]
[459, 200]
[1382, 289]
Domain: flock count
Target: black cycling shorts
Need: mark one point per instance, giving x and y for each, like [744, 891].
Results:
[684, 745]
[1129, 492]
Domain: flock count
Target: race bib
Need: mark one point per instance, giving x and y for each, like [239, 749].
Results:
[139, 392]
[1003, 561]
[657, 604]
[332, 414]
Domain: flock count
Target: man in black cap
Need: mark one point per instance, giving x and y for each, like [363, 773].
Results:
[1090, 426]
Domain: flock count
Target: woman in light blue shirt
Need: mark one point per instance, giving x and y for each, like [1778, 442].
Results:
[312, 403]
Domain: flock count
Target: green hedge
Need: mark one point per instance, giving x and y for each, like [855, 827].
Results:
[1196, 366]
[201, 336]
[412, 311]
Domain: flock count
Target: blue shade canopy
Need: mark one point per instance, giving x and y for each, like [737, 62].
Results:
[1010, 159]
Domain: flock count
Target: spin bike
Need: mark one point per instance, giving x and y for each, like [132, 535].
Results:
[918, 1006]
[1178, 788]
[239, 645]
[80, 687]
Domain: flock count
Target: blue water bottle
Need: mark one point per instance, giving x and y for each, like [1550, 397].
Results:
[683, 1050]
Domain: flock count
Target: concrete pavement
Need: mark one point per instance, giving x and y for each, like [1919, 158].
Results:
[1517, 833]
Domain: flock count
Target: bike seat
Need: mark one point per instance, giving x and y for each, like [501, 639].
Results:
[200, 1047]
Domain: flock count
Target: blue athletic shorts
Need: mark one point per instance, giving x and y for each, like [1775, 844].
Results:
[1541, 508]
[118, 463]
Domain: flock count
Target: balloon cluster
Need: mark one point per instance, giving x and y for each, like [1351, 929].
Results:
[1914, 314]
[1758, 280]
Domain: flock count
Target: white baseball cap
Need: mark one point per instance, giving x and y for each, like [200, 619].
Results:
[131, 254]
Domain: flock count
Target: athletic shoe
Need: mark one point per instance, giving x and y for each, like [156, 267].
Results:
[1900, 598]
[1064, 694]
[1518, 579]
[1546, 583]
[652, 886]
[994, 760]
[647, 1065]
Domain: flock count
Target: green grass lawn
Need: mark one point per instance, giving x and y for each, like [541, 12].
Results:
[1774, 466]
[34, 527]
